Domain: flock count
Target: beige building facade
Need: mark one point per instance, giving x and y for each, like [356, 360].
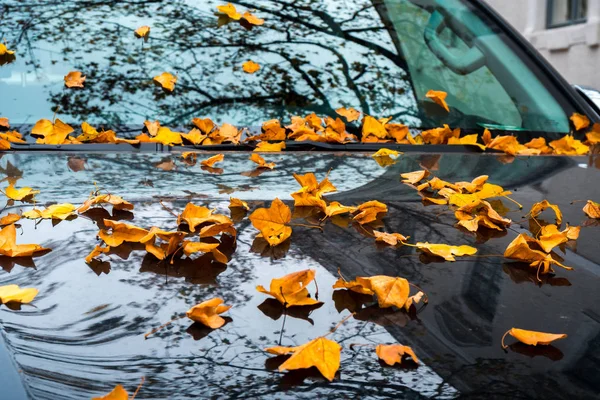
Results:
[566, 32]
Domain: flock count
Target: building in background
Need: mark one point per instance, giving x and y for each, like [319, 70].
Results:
[566, 32]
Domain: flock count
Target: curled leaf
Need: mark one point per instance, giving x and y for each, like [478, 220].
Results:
[532, 338]
[10, 248]
[51, 133]
[211, 161]
[439, 98]
[24, 193]
[291, 290]
[55, 211]
[74, 79]
[445, 251]
[580, 121]
[269, 147]
[537, 209]
[207, 313]
[349, 113]
[592, 209]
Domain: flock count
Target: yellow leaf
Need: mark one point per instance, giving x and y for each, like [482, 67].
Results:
[122, 232]
[142, 32]
[51, 133]
[445, 251]
[468, 139]
[209, 162]
[390, 291]
[195, 216]
[349, 113]
[55, 211]
[4, 50]
[252, 19]
[372, 127]
[166, 80]
[9, 219]
[291, 289]
[167, 137]
[336, 208]
[25, 193]
[273, 222]
[74, 79]
[237, 203]
[369, 211]
[521, 249]
[383, 152]
[269, 147]
[14, 294]
[580, 121]
[592, 209]
[532, 338]
[390, 238]
[569, 146]
[393, 353]
[10, 248]
[414, 177]
[230, 11]
[537, 209]
[116, 201]
[261, 161]
[207, 313]
[250, 67]
[322, 353]
[439, 97]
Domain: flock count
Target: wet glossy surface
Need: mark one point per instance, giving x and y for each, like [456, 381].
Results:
[84, 332]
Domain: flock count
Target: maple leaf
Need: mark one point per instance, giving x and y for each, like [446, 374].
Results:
[250, 67]
[195, 216]
[580, 121]
[273, 222]
[55, 211]
[290, 289]
[9, 219]
[51, 133]
[537, 209]
[439, 98]
[445, 251]
[393, 353]
[74, 79]
[207, 313]
[532, 338]
[349, 113]
[15, 294]
[116, 201]
[230, 10]
[209, 162]
[269, 147]
[195, 136]
[390, 238]
[142, 32]
[166, 81]
[261, 161]
[10, 248]
[369, 211]
[322, 353]
[23, 194]
[592, 209]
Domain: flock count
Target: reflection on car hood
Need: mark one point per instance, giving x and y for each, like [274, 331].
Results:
[85, 333]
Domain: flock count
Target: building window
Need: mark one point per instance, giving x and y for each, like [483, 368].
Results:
[566, 12]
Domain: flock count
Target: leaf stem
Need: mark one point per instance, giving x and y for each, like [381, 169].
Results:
[426, 299]
[335, 328]
[504, 336]
[138, 388]
[514, 201]
[153, 331]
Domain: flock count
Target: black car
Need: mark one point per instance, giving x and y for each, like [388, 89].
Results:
[85, 331]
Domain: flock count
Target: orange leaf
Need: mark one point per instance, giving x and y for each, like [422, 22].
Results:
[230, 10]
[261, 161]
[580, 121]
[51, 133]
[4, 122]
[533, 338]
[537, 209]
[142, 32]
[9, 219]
[252, 19]
[195, 136]
[414, 177]
[336, 208]
[237, 203]
[569, 146]
[390, 238]
[372, 127]
[195, 216]
[207, 313]
[166, 80]
[250, 67]
[118, 393]
[291, 289]
[445, 251]
[369, 211]
[390, 291]
[393, 353]
[439, 97]
[273, 222]
[322, 353]
[592, 209]
[363, 287]
[116, 201]
[466, 140]
[152, 127]
[166, 137]
[4, 50]
[10, 248]
[523, 248]
[14, 294]
[122, 232]
[269, 147]
[74, 79]
[349, 113]
[23, 194]
[209, 162]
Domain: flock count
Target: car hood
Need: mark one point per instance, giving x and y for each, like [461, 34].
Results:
[85, 333]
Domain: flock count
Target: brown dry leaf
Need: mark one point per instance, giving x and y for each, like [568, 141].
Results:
[414, 177]
[118, 393]
[74, 79]
[207, 313]
[580, 121]
[261, 161]
[116, 201]
[230, 10]
[532, 338]
[166, 164]
[166, 81]
[9, 219]
[142, 32]
[569, 146]
[51, 133]
[269, 147]
[211, 161]
[250, 67]
[445, 251]
[349, 113]
[252, 19]
[390, 238]
[322, 353]
[393, 353]
[439, 98]
[14, 294]
[369, 211]
[291, 290]
[10, 248]
[76, 164]
[55, 211]
[592, 209]
[537, 209]
[273, 222]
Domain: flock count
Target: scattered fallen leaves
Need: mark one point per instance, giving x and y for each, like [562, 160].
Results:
[394, 353]
[166, 81]
[10, 248]
[439, 98]
[14, 294]
[273, 222]
[290, 290]
[532, 338]
[570, 146]
[74, 79]
[207, 313]
[250, 67]
[322, 353]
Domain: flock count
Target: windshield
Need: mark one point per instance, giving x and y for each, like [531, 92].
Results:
[380, 57]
